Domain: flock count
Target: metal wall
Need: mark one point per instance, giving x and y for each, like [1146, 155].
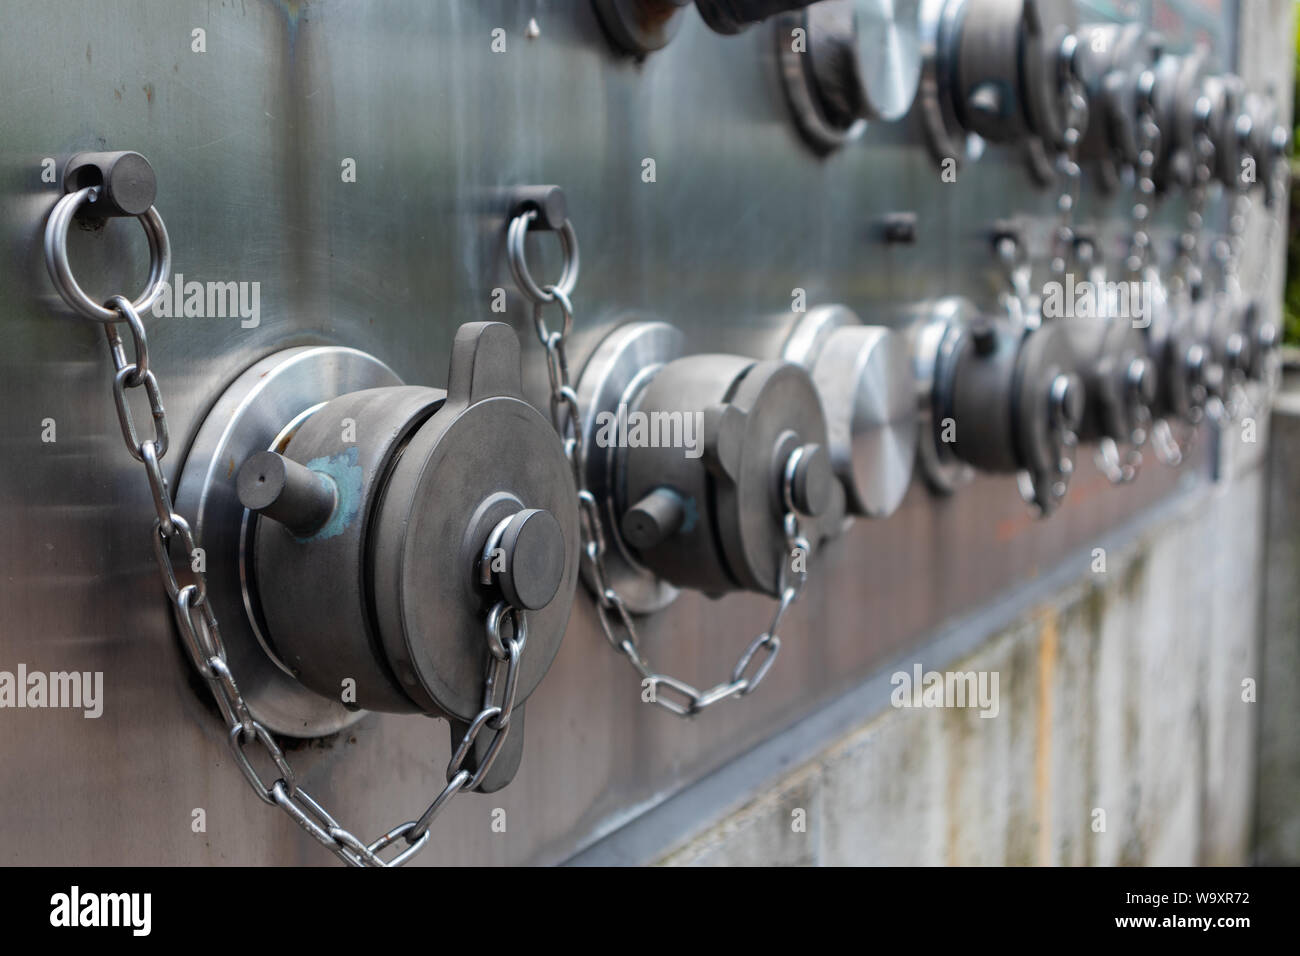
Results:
[248, 139]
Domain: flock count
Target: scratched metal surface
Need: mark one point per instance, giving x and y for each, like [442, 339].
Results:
[247, 140]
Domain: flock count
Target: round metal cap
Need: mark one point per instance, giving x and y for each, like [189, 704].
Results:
[1048, 398]
[810, 485]
[866, 57]
[486, 454]
[864, 376]
[534, 547]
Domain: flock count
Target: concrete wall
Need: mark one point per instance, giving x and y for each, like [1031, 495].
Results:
[1278, 817]
[1119, 692]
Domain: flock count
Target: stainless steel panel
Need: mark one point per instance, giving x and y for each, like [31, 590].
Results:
[247, 139]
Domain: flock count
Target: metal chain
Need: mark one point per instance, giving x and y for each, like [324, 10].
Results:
[202, 638]
[1074, 107]
[1119, 467]
[1189, 253]
[1017, 269]
[1141, 252]
[683, 699]
[1229, 247]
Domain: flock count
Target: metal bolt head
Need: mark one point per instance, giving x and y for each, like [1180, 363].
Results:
[1235, 351]
[652, 519]
[286, 491]
[127, 181]
[983, 336]
[1067, 401]
[810, 485]
[1141, 381]
[986, 98]
[533, 546]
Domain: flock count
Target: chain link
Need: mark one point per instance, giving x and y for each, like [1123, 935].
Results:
[1017, 269]
[1140, 252]
[616, 622]
[1074, 107]
[1012, 254]
[1119, 466]
[1189, 252]
[1233, 243]
[201, 636]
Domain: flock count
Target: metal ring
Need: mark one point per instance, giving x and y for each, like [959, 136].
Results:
[515, 236]
[56, 257]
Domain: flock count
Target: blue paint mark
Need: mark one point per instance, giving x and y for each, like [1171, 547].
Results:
[345, 474]
[692, 516]
[690, 510]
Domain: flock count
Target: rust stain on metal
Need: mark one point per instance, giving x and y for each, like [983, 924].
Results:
[1048, 641]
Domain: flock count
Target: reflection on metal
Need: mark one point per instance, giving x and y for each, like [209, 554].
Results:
[740, 215]
[864, 377]
[612, 377]
[844, 62]
[937, 340]
[261, 410]
[641, 26]
[948, 137]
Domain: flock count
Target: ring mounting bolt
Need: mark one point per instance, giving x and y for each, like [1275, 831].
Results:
[984, 337]
[986, 99]
[126, 181]
[1213, 378]
[1265, 344]
[1235, 349]
[1204, 377]
[653, 519]
[1141, 382]
[1066, 398]
[1267, 336]
[809, 477]
[524, 557]
[298, 497]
